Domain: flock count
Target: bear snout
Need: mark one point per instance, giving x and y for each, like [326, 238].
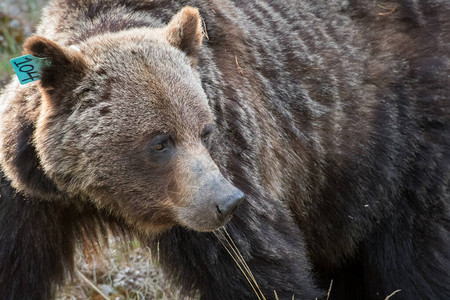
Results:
[226, 206]
[213, 205]
[219, 196]
[209, 200]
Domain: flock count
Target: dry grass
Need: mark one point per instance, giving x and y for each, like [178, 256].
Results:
[227, 242]
[392, 294]
[121, 272]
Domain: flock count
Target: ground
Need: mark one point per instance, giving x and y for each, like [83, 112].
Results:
[121, 272]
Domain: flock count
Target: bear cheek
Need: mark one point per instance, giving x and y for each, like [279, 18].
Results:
[149, 216]
[155, 220]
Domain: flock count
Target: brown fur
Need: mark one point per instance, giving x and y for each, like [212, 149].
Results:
[331, 116]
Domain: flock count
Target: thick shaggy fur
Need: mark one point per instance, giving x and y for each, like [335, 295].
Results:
[332, 117]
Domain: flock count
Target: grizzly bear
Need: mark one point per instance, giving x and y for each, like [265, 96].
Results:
[316, 132]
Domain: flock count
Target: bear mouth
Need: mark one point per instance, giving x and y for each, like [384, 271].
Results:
[210, 223]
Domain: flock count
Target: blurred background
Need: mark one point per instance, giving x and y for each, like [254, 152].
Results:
[123, 271]
[18, 19]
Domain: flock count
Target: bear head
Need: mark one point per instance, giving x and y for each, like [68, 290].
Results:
[125, 124]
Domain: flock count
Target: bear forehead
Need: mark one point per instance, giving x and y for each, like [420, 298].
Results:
[147, 72]
[135, 49]
[142, 66]
[144, 107]
[142, 110]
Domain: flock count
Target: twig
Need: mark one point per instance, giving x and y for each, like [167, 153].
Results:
[237, 263]
[329, 289]
[240, 71]
[393, 293]
[92, 285]
[234, 252]
[205, 33]
[391, 10]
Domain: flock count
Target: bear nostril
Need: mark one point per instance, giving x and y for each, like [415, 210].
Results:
[229, 205]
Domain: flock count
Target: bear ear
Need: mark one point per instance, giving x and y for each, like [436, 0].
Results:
[66, 65]
[184, 32]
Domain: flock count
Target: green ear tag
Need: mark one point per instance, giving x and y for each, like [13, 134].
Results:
[28, 67]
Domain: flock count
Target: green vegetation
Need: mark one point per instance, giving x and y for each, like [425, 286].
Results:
[18, 19]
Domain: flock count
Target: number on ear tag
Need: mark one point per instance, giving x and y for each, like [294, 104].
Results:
[28, 67]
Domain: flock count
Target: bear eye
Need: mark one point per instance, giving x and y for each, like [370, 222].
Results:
[207, 136]
[161, 143]
[159, 147]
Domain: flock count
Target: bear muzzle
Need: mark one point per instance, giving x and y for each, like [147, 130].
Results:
[210, 200]
[213, 205]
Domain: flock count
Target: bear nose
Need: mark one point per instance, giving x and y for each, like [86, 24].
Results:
[229, 204]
